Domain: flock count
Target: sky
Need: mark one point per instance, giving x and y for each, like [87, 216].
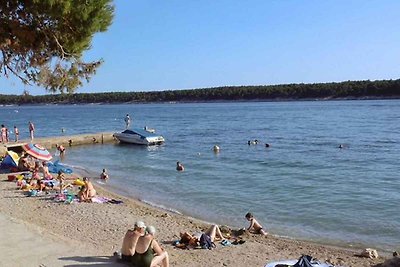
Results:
[178, 44]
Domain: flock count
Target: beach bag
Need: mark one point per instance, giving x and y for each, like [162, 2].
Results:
[304, 261]
[205, 242]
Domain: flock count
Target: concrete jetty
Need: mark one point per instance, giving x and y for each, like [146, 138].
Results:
[66, 141]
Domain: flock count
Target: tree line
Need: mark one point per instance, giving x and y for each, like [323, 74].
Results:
[347, 89]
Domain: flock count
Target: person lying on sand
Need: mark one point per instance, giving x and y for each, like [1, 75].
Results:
[254, 226]
[130, 240]
[193, 240]
[148, 252]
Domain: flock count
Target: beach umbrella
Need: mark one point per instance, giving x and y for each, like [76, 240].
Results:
[37, 151]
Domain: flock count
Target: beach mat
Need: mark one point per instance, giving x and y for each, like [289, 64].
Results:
[293, 262]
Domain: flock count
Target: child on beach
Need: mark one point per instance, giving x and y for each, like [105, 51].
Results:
[254, 225]
[61, 179]
[104, 175]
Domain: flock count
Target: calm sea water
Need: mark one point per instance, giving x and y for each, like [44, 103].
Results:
[303, 186]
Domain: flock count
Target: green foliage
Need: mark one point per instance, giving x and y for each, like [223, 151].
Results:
[347, 90]
[42, 41]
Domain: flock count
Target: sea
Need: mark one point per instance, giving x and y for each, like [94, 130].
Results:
[302, 186]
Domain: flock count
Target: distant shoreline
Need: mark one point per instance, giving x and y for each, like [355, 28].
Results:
[213, 101]
[347, 90]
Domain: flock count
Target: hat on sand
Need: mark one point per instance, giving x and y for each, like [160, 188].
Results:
[140, 224]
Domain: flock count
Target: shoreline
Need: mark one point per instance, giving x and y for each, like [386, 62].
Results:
[162, 208]
[101, 227]
[86, 139]
[323, 99]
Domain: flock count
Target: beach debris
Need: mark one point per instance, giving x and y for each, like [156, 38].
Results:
[396, 254]
[369, 253]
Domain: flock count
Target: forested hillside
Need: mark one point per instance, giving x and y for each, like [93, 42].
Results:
[348, 89]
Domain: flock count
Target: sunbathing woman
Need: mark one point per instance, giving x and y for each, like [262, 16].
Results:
[89, 192]
[193, 240]
[148, 252]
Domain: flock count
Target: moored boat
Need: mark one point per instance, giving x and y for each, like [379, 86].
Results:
[139, 137]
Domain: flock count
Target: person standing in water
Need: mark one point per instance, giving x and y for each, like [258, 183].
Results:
[31, 130]
[16, 133]
[127, 121]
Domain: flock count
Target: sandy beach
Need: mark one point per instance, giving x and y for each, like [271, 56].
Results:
[82, 234]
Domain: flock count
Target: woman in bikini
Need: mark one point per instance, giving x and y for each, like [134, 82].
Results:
[148, 252]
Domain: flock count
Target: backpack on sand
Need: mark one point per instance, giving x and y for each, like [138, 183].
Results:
[205, 242]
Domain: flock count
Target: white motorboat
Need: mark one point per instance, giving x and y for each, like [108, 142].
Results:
[140, 137]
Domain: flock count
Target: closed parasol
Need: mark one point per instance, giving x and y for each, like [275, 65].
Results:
[37, 151]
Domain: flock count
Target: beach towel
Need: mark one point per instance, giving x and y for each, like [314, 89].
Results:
[303, 261]
[99, 199]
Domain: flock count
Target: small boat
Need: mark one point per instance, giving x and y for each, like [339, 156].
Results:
[139, 137]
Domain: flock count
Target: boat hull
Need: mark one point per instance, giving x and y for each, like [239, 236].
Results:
[138, 139]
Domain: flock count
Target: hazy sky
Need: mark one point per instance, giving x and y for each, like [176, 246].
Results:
[180, 44]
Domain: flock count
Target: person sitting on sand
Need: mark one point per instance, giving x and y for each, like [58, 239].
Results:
[61, 179]
[35, 176]
[25, 163]
[179, 167]
[193, 240]
[46, 174]
[41, 186]
[254, 224]
[148, 252]
[104, 175]
[89, 191]
[130, 239]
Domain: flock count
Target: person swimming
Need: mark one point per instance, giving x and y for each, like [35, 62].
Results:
[179, 166]
[216, 148]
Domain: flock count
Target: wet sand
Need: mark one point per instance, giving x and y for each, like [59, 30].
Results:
[91, 231]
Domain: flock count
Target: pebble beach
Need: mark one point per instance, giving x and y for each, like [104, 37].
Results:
[89, 233]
